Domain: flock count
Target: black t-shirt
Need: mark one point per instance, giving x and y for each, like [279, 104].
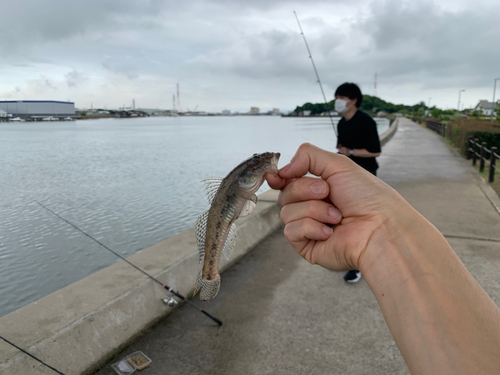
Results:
[360, 132]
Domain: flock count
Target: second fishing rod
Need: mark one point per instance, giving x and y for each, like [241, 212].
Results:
[177, 294]
[317, 75]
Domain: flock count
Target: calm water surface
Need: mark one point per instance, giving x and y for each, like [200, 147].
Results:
[130, 183]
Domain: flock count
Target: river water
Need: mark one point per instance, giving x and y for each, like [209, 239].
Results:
[130, 183]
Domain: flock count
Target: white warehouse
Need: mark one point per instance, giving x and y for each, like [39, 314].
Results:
[38, 108]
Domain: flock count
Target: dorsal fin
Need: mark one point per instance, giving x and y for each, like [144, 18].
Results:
[201, 233]
[211, 187]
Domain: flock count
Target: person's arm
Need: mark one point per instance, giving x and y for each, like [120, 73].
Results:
[441, 319]
[371, 141]
[359, 152]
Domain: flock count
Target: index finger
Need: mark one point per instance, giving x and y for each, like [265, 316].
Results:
[275, 181]
[309, 158]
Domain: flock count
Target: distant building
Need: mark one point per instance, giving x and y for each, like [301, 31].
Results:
[276, 112]
[226, 112]
[155, 111]
[38, 108]
[3, 113]
[332, 113]
[485, 107]
[305, 113]
[254, 110]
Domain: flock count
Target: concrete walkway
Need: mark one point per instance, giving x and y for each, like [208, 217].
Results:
[284, 316]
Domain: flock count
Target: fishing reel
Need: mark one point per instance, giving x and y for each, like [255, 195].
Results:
[169, 301]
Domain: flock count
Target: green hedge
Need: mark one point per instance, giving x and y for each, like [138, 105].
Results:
[460, 130]
[492, 139]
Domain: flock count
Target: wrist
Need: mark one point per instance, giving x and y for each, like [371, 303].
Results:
[397, 238]
[404, 250]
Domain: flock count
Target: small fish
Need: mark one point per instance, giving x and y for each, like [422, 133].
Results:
[229, 198]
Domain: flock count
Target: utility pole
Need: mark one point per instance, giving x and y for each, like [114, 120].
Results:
[494, 89]
[178, 99]
[458, 107]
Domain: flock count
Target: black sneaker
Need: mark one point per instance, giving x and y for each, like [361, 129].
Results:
[352, 276]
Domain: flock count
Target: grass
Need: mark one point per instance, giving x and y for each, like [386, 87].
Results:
[485, 174]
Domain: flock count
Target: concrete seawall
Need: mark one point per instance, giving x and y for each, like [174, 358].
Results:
[79, 327]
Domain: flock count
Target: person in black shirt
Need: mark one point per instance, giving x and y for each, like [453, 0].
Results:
[357, 138]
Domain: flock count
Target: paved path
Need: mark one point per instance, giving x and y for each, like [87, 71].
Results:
[284, 316]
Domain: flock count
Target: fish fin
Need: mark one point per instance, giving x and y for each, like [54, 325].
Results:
[230, 242]
[209, 288]
[211, 187]
[201, 233]
[249, 206]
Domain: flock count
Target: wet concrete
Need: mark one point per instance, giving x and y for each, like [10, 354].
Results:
[284, 316]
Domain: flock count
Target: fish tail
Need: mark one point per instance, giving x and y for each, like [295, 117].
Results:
[209, 288]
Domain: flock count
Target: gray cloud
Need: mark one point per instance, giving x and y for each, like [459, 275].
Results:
[411, 38]
[48, 83]
[270, 54]
[58, 19]
[244, 53]
[75, 78]
[127, 66]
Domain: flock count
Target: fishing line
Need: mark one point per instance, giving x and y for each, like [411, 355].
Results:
[32, 356]
[317, 76]
[177, 294]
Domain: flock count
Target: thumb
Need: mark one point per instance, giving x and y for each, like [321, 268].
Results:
[315, 160]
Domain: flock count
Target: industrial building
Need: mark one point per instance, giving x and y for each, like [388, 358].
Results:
[38, 108]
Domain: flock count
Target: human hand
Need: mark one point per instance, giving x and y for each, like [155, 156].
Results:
[344, 150]
[364, 201]
[425, 293]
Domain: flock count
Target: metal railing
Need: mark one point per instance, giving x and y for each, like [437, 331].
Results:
[476, 151]
[437, 126]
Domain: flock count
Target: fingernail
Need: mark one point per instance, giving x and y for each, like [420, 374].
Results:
[318, 187]
[335, 213]
[328, 230]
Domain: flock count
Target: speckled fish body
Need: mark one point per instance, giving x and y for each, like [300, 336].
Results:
[230, 198]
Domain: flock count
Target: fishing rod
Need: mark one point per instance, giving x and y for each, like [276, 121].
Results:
[317, 75]
[177, 294]
[32, 356]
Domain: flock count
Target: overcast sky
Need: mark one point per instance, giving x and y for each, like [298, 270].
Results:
[233, 54]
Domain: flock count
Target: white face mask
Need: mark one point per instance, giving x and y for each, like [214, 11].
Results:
[340, 106]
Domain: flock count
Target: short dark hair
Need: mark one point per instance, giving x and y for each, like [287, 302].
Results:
[352, 91]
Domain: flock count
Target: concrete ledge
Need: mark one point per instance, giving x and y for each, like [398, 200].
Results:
[387, 135]
[79, 327]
